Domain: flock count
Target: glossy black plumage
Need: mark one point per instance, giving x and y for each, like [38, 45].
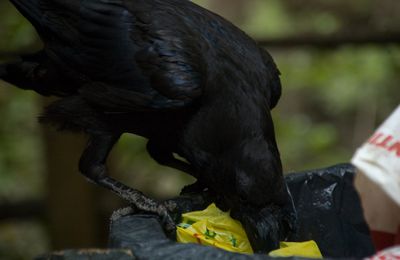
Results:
[175, 73]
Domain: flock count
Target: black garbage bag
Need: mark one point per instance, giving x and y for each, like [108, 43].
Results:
[328, 211]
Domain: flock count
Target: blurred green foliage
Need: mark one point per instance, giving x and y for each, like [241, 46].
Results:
[21, 157]
[332, 100]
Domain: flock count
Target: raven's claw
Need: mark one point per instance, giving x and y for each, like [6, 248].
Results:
[167, 221]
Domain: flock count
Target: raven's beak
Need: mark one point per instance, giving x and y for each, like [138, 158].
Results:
[266, 227]
[262, 229]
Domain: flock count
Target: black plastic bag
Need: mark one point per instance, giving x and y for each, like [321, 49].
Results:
[329, 212]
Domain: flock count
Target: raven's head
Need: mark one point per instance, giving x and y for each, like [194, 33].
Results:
[249, 176]
[250, 184]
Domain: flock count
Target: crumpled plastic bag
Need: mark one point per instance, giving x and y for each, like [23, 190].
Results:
[213, 227]
[308, 249]
[379, 157]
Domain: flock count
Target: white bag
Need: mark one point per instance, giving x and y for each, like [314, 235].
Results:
[379, 157]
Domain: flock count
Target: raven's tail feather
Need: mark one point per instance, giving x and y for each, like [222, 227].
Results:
[31, 10]
[73, 114]
[48, 15]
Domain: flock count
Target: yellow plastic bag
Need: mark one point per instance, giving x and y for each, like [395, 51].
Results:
[307, 249]
[214, 227]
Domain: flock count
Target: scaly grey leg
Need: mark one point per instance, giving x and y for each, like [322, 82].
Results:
[92, 165]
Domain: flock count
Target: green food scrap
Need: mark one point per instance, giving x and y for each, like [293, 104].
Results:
[233, 241]
[209, 234]
[184, 225]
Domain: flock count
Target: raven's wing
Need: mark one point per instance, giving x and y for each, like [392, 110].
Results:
[273, 74]
[129, 55]
[158, 61]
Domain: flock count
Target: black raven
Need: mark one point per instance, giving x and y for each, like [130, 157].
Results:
[175, 73]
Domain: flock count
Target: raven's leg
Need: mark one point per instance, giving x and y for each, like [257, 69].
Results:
[164, 156]
[92, 165]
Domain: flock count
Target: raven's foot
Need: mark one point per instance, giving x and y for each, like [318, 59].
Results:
[164, 212]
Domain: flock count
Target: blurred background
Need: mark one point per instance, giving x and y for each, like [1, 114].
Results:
[340, 65]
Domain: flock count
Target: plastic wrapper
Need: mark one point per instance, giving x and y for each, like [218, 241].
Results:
[213, 227]
[392, 253]
[307, 249]
[379, 157]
